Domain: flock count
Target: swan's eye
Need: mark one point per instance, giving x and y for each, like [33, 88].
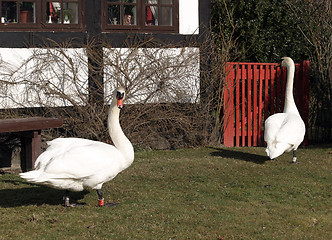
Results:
[119, 95]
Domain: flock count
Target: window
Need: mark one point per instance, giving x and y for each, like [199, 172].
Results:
[116, 15]
[62, 12]
[141, 15]
[14, 12]
[41, 14]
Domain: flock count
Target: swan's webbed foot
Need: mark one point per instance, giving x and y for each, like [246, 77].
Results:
[74, 204]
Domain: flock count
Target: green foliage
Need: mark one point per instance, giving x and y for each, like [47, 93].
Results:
[264, 30]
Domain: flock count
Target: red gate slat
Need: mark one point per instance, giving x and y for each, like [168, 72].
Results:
[272, 89]
[298, 88]
[282, 91]
[260, 103]
[255, 106]
[305, 66]
[228, 107]
[249, 105]
[243, 110]
[266, 90]
[278, 87]
[237, 106]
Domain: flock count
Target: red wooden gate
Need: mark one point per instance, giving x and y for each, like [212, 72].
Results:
[253, 92]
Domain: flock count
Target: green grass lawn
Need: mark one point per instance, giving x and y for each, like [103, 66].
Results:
[204, 193]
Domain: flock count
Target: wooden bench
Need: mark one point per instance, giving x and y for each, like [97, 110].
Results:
[29, 129]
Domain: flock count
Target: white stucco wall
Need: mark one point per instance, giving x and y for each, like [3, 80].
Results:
[48, 77]
[38, 77]
[188, 17]
[153, 74]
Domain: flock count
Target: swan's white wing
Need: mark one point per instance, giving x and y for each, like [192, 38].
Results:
[284, 127]
[292, 130]
[273, 125]
[77, 164]
[84, 161]
[283, 132]
[272, 128]
[59, 146]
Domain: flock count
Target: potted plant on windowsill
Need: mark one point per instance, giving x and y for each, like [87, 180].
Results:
[26, 12]
[66, 16]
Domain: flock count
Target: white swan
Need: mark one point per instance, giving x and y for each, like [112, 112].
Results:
[285, 131]
[75, 163]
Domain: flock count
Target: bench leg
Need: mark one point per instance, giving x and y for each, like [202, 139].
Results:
[31, 146]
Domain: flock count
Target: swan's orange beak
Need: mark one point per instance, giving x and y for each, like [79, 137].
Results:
[119, 98]
[120, 103]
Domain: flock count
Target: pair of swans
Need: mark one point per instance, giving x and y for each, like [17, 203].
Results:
[75, 163]
[284, 132]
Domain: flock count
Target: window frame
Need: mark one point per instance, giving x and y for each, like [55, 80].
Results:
[41, 24]
[141, 26]
[63, 26]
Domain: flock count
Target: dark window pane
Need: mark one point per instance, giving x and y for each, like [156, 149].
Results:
[70, 13]
[9, 12]
[129, 17]
[165, 16]
[114, 14]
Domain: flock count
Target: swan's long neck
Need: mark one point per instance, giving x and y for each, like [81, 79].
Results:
[120, 141]
[290, 106]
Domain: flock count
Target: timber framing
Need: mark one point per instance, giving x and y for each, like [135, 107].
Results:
[93, 30]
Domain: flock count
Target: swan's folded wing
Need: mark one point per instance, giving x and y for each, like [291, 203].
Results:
[292, 130]
[272, 126]
[83, 161]
[57, 147]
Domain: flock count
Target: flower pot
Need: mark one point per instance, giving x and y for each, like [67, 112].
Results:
[26, 17]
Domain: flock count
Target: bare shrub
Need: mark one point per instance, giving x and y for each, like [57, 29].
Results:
[174, 92]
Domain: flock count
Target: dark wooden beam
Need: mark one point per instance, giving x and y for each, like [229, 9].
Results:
[95, 51]
[28, 124]
[29, 130]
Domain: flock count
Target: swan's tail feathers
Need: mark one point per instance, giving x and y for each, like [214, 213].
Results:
[55, 181]
[275, 149]
[31, 176]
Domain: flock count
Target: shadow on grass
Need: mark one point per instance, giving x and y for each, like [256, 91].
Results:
[34, 195]
[244, 156]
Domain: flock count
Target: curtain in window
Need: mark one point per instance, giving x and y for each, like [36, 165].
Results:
[54, 7]
[152, 13]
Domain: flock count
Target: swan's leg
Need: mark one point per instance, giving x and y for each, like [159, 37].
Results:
[100, 198]
[294, 156]
[66, 199]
